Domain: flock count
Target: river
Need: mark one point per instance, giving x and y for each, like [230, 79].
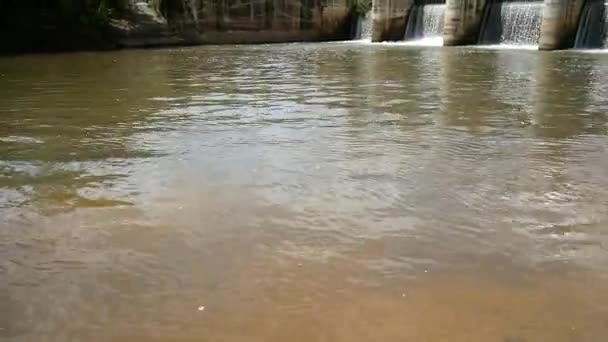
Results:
[304, 192]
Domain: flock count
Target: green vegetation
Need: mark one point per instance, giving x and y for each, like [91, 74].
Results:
[361, 7]
[50, 25]
[53, 25]
[174, 10]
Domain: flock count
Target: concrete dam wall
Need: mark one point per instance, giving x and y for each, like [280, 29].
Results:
[546, 25]
[538, 24]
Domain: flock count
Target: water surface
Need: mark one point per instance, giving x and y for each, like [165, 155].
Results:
[304, 192]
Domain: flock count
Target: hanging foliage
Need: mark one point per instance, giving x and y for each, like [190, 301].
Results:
[361, 7]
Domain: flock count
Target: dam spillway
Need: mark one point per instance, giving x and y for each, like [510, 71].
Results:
[512, 23]
[543, 25]
[592, 30]
[605, 27]
[363, 27]
[425, 24]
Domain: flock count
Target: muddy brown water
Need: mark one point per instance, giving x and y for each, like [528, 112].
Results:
[304, 192]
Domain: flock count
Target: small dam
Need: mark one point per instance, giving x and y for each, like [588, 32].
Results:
[532, 24]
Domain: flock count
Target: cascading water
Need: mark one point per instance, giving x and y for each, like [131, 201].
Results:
[425, 24]
[593, 26]
[366, 27]
[605, 45]
[363, 30]
[512, 23]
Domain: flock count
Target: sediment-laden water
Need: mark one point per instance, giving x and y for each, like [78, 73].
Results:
[304, 192]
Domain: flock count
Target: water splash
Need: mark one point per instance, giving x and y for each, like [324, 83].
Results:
[431, 41]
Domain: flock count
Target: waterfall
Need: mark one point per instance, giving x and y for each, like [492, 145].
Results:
[432, 20]
[366, 27]
[512, 23]
[605, 32]
[425, 22]
[363, 29]
[593, 26]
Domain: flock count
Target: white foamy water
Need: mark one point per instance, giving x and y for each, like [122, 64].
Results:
[366, 27]
[515, 24]
[432, 20]
[507, 47]
[429, 41]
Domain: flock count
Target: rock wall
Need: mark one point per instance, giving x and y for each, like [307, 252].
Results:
[67, 25]
[241, 21]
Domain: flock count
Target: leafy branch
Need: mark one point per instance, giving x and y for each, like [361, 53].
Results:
[361, 7]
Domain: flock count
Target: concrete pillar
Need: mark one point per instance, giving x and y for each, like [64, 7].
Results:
[463, 21]
[389, 19]
[560, 22]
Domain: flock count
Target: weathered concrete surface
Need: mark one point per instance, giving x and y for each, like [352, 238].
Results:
[463, 21]
[288, 18]
[237, 21]
[560, 22]
[389, 19]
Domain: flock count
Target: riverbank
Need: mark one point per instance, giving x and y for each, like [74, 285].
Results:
[140, 24]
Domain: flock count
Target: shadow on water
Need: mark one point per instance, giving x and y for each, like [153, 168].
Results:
[70, 126]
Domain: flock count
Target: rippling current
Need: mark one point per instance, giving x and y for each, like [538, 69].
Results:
[304, 192]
